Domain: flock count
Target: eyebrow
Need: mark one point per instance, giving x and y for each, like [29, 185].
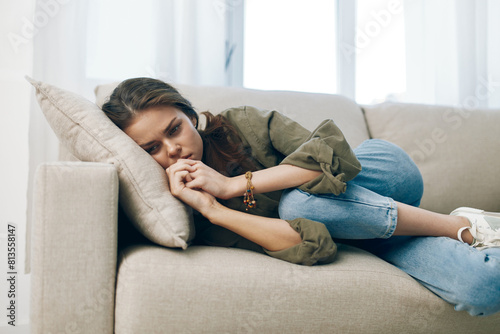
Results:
[164, 131]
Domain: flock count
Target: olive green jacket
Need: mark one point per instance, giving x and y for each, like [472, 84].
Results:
[273, 139]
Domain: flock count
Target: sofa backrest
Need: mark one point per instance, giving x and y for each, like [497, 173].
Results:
[456, 149]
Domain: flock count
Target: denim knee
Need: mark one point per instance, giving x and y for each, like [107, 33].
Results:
[389, 170]
[408, 172]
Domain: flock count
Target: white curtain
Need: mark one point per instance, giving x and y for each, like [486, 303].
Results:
[453, 48]
[16, 62]
[180, 41]
[79, 44]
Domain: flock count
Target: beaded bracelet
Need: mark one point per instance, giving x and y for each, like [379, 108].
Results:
[248, 199]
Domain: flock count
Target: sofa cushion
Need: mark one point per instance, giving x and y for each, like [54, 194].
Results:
[90, 136]
[220, 290]
[457, 151]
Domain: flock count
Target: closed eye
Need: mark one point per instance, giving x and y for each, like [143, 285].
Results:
[152, 149]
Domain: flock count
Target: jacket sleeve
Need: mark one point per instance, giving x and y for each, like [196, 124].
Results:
[326, 149]
[317, 246]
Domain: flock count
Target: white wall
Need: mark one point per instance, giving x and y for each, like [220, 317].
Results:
[15, 62]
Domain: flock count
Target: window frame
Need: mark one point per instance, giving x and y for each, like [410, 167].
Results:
[346, 30]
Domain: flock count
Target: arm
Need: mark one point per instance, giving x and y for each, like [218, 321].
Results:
[266, 180]
[272, 234]
[271, 179]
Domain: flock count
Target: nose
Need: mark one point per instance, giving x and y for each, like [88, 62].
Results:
[170, 153]
[173, 150]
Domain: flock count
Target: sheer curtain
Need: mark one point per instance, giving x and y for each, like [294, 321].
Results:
[179, 41]
[452, 52]
[79, 44]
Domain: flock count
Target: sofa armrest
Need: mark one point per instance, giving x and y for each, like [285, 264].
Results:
[74, 248]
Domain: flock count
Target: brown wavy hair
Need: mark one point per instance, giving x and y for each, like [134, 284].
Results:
[222, 146]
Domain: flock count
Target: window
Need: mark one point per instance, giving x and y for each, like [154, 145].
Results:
[110, 52]
[290, 45]
[354, 48]
[380, 51]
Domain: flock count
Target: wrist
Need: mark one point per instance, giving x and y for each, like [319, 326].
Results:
[236, 187]
[215, 213]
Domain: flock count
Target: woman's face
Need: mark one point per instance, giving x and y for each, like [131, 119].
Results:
[167, 134]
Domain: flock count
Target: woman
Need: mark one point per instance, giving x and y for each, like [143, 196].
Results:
[287, 192]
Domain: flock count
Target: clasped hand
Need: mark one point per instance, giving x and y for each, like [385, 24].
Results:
[196, 184]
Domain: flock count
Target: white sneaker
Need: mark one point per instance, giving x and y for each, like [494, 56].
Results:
[485, 227]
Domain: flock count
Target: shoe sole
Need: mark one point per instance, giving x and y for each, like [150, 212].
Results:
[477, 211]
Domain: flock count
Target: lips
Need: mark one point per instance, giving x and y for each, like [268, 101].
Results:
[187, 156]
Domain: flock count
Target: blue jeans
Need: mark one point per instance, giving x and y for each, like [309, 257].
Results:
[367, 211]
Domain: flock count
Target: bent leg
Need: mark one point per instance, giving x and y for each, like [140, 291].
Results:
[367, 209]
[458, 273]
[388, 171]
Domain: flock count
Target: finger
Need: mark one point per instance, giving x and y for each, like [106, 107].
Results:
[176, 181]
[178, 177]
[194, 184]
[183, 174]
[180, 165]
[188, 161]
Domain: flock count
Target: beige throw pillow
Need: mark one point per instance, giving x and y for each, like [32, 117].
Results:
[456, 149]
[90, 136]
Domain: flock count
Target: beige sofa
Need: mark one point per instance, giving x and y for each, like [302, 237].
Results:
[84, 283]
